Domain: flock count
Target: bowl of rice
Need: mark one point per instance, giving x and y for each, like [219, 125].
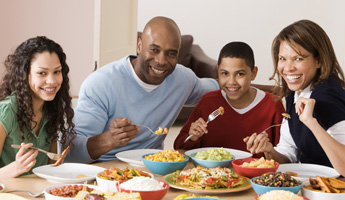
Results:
[275, 181]
[149, 188]
[280, 194]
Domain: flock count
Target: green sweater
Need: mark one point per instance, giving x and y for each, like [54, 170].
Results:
[8, 119]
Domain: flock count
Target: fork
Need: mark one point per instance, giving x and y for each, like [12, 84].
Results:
[285, 119]
[147, 128]
[30, 193]
[211, 117]
[50, 155]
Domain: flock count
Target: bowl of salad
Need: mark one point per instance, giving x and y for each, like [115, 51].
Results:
[211, 158]
[108, 179]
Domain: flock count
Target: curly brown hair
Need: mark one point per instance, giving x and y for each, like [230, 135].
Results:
[314, 39]
[59, 111]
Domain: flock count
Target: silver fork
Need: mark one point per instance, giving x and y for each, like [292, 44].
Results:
[285, 119]
[148, 128]
[50, 155]
[30, 193]
[211, 117]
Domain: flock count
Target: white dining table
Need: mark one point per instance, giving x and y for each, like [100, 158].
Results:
[36, 184]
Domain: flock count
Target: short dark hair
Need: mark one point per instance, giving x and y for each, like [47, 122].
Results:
[238, 50]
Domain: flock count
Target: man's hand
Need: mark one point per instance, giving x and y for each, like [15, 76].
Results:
[121, 131]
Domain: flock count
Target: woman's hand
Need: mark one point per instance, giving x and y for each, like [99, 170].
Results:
[198, 129]
[304, 108]
[257, 143]
[25, 159]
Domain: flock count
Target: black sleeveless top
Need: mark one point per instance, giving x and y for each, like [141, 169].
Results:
[329, 110]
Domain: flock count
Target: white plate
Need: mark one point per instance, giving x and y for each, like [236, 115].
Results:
[314, 195]
[68, 172]
[304, 170]
[236, 153]
[133, 157]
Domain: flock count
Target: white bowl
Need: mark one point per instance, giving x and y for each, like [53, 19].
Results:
[109, 185]
[314, 195]
[49, 196]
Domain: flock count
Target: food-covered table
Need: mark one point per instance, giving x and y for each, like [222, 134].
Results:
[36, 184]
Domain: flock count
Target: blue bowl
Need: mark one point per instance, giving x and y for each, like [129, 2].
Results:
[163, 168]
[261, 189]
[210, 163]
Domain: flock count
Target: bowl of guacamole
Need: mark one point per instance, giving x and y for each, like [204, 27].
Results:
[212, 158]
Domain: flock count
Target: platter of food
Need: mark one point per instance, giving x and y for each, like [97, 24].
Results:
[236, 153]
[68, 172]
[324, 188]
[2, 187]
[133, 157]
[208, 180]
[303, 171]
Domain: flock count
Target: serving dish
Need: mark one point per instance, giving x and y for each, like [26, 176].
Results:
[49, 196]
[236, 153]
[163, 168]
[315, 195]
[251, 172]
[245, 186]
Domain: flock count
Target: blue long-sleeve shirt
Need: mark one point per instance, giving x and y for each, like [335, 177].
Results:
[112, 92]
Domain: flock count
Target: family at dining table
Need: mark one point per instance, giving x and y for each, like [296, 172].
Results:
[150, 89]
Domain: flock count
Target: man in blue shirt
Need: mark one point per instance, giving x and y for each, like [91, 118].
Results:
[148, 89]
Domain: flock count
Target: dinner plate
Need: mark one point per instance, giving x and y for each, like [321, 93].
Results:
[304, 170]
[245, 186]
[236, 153]
[68, 172]
[133, 157]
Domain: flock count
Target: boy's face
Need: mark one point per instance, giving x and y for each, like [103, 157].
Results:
[234, 79]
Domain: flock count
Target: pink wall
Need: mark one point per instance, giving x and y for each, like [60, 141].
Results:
[69, 23]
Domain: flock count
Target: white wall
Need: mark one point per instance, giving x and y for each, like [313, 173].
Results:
[67, 22]
[214, 23]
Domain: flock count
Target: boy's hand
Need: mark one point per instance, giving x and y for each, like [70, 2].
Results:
[198, 129]
[25, 159]
[258, 143]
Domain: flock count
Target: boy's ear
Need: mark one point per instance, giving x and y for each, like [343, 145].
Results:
[254, 72]
[217, 67]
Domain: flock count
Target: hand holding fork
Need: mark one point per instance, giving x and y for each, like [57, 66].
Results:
[52, 156]
[257, 143]
[211, 117]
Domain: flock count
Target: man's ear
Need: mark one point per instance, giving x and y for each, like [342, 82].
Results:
[140, 44]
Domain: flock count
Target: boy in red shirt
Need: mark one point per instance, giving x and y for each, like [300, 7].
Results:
[247, 110]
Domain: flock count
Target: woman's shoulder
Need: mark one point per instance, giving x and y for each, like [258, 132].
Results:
[8, 104]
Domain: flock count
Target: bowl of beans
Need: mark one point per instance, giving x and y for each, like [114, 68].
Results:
[165, 162]
[67, 191]
[275, 181]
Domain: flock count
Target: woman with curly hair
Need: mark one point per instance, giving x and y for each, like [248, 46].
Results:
[35, 106]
